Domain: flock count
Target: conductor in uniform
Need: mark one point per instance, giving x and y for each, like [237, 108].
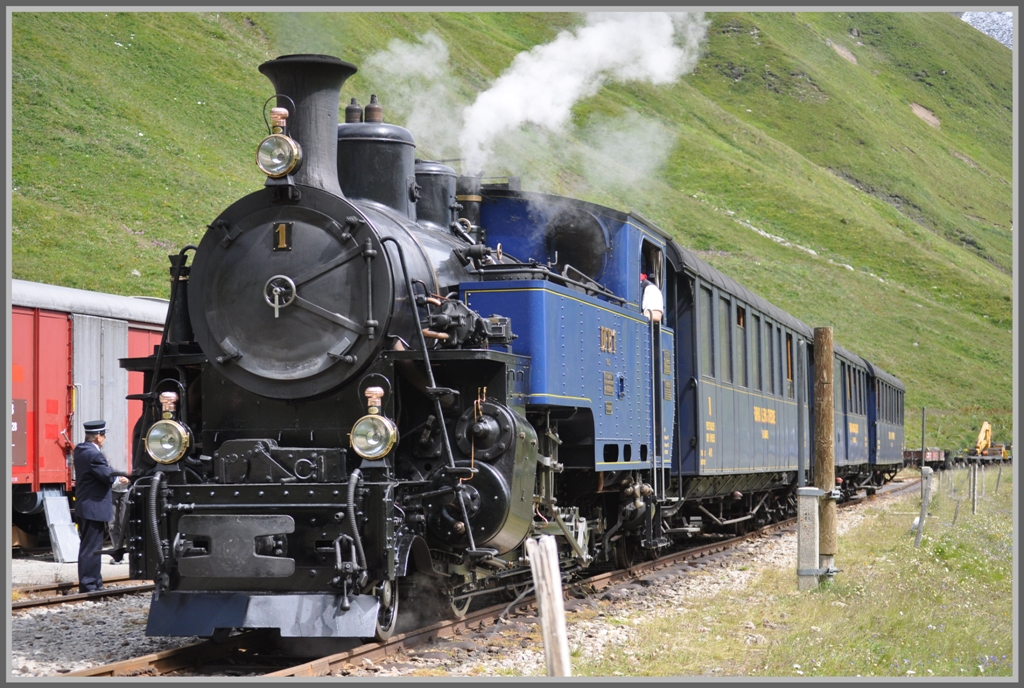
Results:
[93, 508]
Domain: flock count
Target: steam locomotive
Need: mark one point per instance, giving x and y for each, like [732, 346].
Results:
[378, 378]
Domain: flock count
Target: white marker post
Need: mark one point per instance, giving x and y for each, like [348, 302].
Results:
[547, 580]
[926, 480]
[807, 569]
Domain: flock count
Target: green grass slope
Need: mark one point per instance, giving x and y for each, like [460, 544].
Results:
[798, 165]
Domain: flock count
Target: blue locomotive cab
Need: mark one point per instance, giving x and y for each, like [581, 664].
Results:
[574, 296]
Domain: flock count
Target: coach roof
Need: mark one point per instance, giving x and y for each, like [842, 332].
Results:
[80, 301]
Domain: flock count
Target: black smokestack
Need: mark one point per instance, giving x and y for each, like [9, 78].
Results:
[314, 82]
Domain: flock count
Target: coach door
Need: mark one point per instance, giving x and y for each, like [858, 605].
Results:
[839, 384]
[100, 382]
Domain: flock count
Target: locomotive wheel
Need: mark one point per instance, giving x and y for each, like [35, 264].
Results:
[460, 607]
[513, 593]
[387, 615]
[627, 552]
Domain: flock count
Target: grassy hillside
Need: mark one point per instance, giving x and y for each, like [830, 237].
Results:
[133, 130]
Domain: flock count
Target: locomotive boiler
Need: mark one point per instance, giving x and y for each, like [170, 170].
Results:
[378, 378]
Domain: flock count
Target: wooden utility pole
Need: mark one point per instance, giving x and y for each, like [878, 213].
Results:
[824, 444]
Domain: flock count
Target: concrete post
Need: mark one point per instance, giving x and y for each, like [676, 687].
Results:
[824, 444]
[926, 480]
[923, 450]
[956, 512]
[807, 537]
[999, 476]
[974, 489]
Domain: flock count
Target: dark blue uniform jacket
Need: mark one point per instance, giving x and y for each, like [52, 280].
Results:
[92, 483]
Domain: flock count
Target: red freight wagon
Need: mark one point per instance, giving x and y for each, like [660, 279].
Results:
[65, 346]
[933, 457]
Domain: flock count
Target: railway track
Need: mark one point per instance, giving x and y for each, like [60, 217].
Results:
[249, 651]
[31, 596]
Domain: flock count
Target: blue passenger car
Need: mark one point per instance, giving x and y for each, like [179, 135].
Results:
[885, 424]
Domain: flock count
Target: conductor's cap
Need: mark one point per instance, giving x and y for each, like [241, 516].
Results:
[97, 427]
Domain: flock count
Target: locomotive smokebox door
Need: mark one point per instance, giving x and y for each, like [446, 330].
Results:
[287, 302]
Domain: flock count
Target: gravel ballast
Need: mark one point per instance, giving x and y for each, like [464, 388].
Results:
[56, 640]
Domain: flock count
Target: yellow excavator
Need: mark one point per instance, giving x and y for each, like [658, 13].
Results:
[984, 450]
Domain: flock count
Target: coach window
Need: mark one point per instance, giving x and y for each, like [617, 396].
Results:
[770, 358]
[858, 400]
[789, 365]
[860, 393]
[856, 389]
[741, 345]
[755, 329]
[863, 392]
[707, 341]
[780, 360]
[855, 382]
[725, 338]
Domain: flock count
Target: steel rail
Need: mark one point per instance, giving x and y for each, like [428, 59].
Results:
[184, 657]
[81, 596]
[204, 652]
[59, 587]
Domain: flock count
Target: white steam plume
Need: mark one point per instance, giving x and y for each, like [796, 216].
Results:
[544, 83]
[420, 90]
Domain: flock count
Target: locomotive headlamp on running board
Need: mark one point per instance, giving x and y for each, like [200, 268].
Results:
[373, 435]
[167, 441]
